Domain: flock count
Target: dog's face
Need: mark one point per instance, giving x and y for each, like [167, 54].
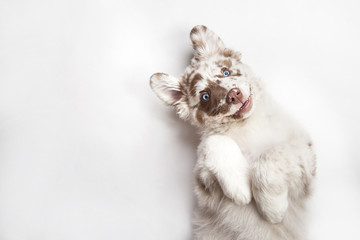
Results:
[217, 88]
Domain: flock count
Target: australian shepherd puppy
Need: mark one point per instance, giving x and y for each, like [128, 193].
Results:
[255, 164]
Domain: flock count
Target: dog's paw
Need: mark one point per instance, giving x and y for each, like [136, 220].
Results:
[238, 192]
[273, 208]
[223, 158]
[243, 196]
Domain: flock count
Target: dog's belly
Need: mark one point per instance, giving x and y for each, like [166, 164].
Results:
[234, 222]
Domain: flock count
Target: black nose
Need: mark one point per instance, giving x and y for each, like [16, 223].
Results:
[234, 96]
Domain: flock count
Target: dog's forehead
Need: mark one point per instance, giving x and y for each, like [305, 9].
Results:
[200, 72]
[215, 64]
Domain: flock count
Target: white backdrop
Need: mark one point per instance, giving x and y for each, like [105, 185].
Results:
[88, 152]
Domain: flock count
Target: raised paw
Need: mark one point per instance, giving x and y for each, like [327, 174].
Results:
[238, 191]
[242, 197]
[222, 157]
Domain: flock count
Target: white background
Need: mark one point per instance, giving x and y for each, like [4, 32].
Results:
[88, 152]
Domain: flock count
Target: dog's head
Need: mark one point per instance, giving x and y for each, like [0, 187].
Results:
[216, 89]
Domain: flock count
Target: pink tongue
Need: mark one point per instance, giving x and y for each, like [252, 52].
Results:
[244, 104]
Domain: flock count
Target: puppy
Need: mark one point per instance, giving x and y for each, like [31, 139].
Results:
[255, 164]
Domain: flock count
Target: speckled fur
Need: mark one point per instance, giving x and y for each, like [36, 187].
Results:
[255, 169]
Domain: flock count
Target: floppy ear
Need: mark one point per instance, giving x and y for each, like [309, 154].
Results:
[205, 42]
[166, 87]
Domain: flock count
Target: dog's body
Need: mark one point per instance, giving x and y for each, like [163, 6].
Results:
[255, 164]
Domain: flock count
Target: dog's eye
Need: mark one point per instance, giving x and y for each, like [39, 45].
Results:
[225, 72]
[205, 96]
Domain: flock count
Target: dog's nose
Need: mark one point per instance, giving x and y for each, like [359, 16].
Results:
[234, 96]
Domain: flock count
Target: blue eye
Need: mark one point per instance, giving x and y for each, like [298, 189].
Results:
[205, 96]
[226, 73]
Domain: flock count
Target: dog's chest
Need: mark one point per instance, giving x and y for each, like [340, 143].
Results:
[256, 139]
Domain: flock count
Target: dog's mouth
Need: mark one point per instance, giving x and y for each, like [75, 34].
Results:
[244, 108]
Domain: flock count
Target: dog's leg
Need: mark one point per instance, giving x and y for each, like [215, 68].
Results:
[278, 173]
[221, 156]
[269, 185]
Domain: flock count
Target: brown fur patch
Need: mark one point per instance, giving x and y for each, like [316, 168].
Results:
[199, 116]
[183, 90]
[228, 63]
[228, 52]
[187, 76]
[236, 73]
[193, 83]
[197, 44]
[194, 31]
[231, 53]
[224, 63]
[212, 107]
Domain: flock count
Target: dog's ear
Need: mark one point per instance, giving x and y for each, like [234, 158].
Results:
[166, 87]
[205, 42]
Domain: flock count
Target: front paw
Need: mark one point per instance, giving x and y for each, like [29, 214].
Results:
[240, 193]
[242, 197]
[273, 208]
[222, 157]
